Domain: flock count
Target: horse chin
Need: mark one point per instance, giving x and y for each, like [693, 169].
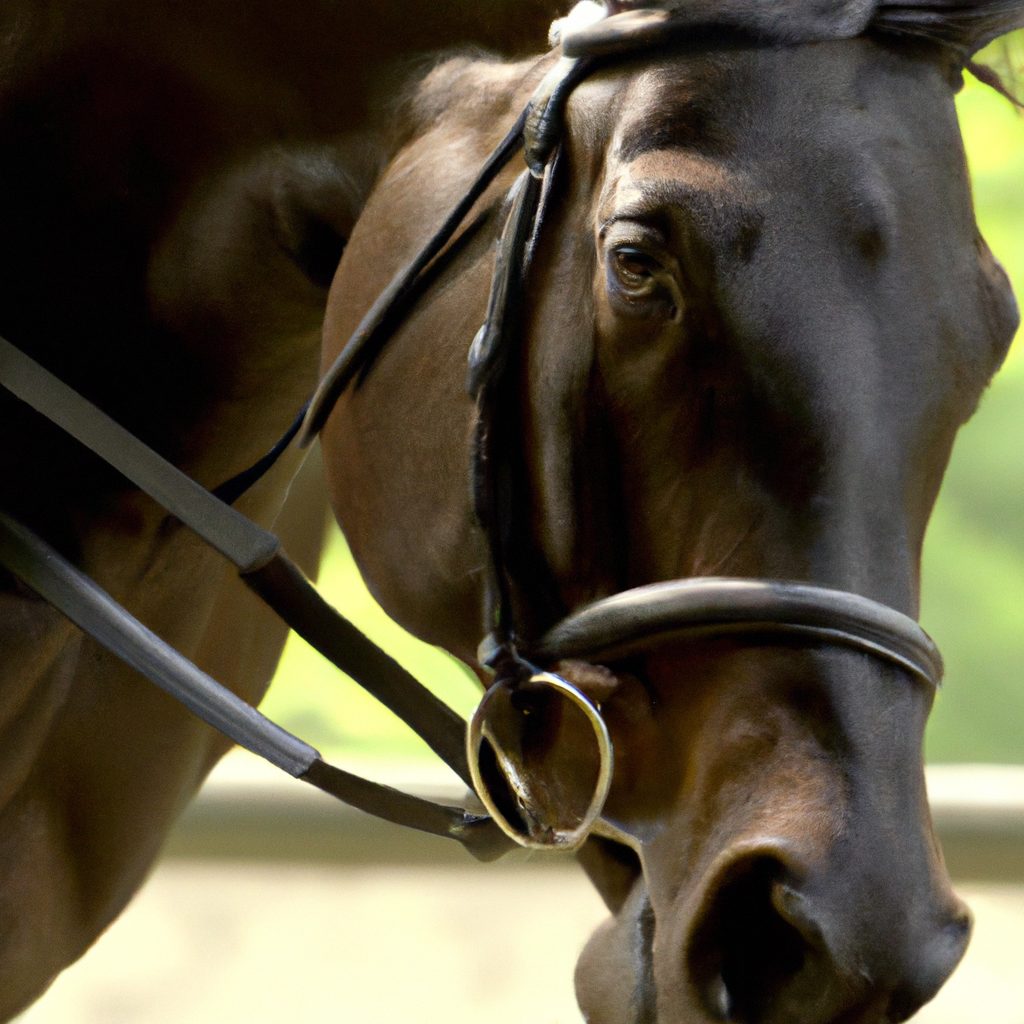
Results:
[614, 975]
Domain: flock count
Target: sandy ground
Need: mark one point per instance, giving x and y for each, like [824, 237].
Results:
[208, 943]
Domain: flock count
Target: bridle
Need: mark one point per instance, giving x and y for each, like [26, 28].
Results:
[484, 753]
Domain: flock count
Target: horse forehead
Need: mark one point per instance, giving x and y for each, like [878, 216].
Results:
[781, 103]
[812, 224]
[849, 131]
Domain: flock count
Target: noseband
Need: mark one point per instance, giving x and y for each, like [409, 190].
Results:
[620, 625]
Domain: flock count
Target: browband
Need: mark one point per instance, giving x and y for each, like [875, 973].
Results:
[645, 28]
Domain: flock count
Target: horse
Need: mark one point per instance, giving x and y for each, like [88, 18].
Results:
[755, 312]
[178, 181]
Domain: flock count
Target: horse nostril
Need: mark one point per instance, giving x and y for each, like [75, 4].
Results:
[761, 951]
[745, 948]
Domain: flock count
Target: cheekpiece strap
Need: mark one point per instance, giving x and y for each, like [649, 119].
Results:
[487, 345]
[545, 114]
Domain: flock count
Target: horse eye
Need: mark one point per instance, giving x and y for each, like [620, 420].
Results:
[635, 269]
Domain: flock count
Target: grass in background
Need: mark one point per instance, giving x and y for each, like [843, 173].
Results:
[973, 576]
[973, 572]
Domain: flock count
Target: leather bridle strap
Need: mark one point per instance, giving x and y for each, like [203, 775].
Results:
[71, 592]
[270, 573]
[702, 607]
[537, 129]
[386, 313]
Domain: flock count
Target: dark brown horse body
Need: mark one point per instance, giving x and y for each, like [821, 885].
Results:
[176, 183]
[759, 312]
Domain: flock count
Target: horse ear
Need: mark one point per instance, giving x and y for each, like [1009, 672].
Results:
[965, 25]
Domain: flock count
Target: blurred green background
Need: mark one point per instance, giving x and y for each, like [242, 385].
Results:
[973, 575]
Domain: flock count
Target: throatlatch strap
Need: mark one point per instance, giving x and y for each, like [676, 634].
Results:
[231, 490]
[379, 323]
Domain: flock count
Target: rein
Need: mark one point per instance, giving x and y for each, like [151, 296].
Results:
[267, 570]
[482, 753]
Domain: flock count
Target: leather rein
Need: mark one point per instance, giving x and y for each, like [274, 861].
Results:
[608, 629]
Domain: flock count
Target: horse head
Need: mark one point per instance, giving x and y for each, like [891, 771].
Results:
[757, 313]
